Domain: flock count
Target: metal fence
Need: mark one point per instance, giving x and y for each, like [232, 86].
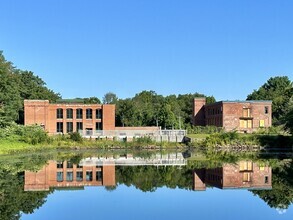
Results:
[131, 133]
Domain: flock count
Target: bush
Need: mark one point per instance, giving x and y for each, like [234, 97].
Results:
[75, 136]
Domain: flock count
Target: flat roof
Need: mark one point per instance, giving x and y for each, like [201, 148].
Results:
[239, 101]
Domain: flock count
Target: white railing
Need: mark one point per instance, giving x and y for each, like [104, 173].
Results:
[131, 133]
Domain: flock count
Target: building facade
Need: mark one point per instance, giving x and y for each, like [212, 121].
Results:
[244, 174]
[242, 116]
[69, 117]
[61, 174]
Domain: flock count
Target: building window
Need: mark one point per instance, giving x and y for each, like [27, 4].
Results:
[266, 110]
[79, 166]
[245, 166]
[59, 165]
[99, 175]
[99, 126]
[69, 113]
[89, 113]
[69, 127]
[266, 179]
[246, 123]
[78, 126]
[59, 113]
[69, 164]
[60, 127]
[79, 113]
[89, 176]
[59, 176]
[261, 123]
[246, 177]
[69, 176]
[99, 113]
[246, 112]
[79, 176]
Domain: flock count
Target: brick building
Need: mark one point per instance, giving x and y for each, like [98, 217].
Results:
[66, 174]
[244, 174]
[69, 117]
[242, 116]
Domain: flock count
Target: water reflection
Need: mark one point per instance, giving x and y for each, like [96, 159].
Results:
[26, 182]
[242, 175]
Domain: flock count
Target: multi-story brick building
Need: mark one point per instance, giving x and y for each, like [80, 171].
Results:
[69, 117]
[244, 174]
[242, 116]
[66, 174]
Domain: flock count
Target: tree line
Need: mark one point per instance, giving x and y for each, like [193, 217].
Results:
[146, 108]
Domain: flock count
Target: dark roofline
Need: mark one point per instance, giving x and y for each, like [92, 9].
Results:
[238, 101]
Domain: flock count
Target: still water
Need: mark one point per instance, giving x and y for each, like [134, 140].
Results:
[146, 185]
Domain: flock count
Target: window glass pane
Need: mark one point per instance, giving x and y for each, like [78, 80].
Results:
[69, 176]
[79, 113]
[98, 113]
[98, 126]
[79, 176]
[59, 164]
[60, 127]
[69, 164]
[89, 175]
[99, 175]
[69, 127]
[59, 113]
[69, 113]
[89, 113]
[78, 126]
[59, 176]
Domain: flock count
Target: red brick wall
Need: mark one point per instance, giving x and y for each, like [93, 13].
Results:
[198, 111]
[41, 112]
[47, 176]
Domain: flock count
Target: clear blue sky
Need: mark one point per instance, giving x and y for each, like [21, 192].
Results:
[224, 48]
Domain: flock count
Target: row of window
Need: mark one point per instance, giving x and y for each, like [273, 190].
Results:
[79, 113]
[79, 126]
[214, 111]
[79, 176]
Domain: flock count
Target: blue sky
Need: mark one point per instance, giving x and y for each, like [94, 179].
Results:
[88, 48]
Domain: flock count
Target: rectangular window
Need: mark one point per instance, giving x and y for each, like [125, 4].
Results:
[266, 179]
[69, 164]
[99, 175]
[78, 126]
[69, 113]
[266, 110]
[98, 113]
[79, 166]
[79, 113]
[261, 123]
[89, 175]
[246, 177]
[89, 113]
[69, 127]
[246, 112]
[59, 176]
[60, 127]
[59, 165]
[79, 176]
[69, 176]
[245, 166]
[59, 113]
[99, 126]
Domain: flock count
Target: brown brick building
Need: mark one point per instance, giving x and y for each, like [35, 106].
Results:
[69, 117]
[242, 116]
[244, 174]
[66, 174]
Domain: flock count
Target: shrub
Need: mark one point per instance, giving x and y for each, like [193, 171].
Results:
[75, 136]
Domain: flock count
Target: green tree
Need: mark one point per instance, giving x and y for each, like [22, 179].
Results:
[289, 116]
[110, 98]
[279, 90]
[92, 100]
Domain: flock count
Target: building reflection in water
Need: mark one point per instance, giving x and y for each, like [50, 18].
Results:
[66, 174]
[243, 175]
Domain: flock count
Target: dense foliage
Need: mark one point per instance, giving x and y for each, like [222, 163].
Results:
[15, 86]
[147, 108]
[279, 90]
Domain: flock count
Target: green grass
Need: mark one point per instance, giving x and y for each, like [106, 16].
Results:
[199, 136]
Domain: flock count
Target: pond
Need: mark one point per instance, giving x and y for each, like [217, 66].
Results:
[146, 185]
